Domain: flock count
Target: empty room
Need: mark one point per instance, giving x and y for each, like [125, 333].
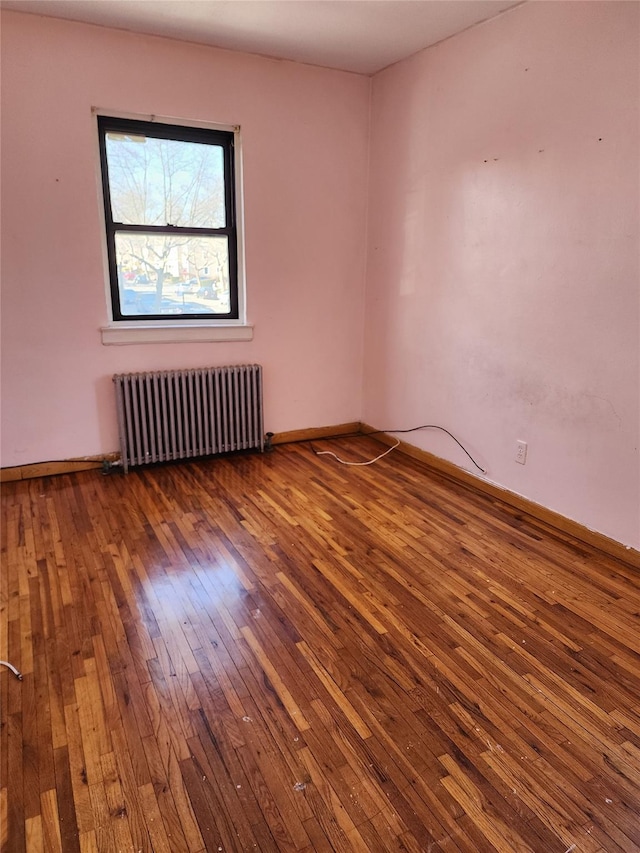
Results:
[320, 384]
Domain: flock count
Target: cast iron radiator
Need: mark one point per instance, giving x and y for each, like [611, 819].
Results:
[181, 414]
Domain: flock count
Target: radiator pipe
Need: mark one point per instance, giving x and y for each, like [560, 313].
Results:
[267, 442]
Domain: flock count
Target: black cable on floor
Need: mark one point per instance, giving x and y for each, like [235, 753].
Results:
[382, 431]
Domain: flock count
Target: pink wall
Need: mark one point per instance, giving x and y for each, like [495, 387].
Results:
[503, 265]
[305, 138]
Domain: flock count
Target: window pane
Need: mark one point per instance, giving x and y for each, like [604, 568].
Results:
[165, 182]
[172, 274]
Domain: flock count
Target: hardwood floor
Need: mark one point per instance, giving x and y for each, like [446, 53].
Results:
[281, 653]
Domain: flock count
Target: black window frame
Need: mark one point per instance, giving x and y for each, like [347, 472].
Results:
[180, 133]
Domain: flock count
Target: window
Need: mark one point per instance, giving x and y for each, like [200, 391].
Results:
[170, 214]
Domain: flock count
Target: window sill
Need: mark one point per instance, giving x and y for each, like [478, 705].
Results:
[122, 335]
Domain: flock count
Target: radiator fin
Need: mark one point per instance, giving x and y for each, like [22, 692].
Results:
[183, 414]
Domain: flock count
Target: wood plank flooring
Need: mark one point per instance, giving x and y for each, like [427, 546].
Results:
[279, 653]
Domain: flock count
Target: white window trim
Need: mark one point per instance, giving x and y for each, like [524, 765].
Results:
[120, 334]
[167, 331]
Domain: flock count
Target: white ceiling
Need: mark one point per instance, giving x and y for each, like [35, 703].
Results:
[354, 35]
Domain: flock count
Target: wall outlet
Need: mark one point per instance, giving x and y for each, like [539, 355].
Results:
[521, 452]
